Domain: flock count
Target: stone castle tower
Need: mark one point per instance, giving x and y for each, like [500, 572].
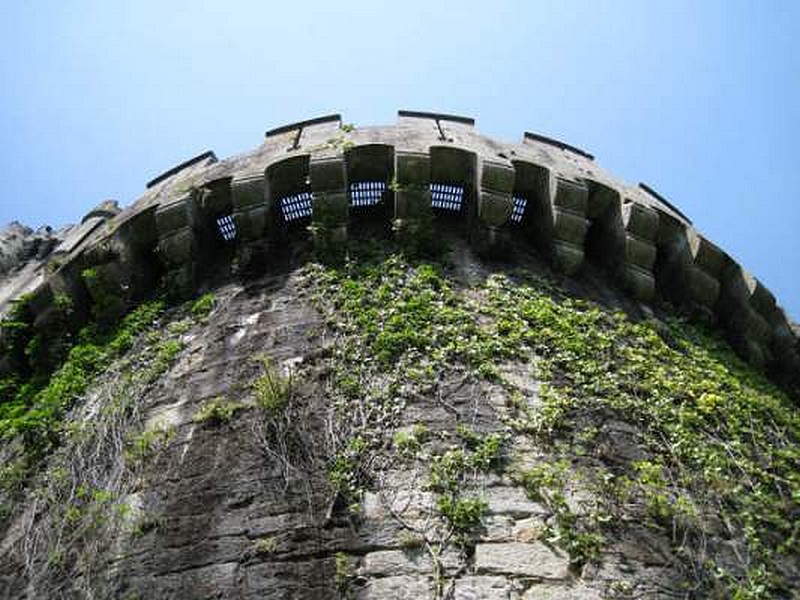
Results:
[214, 456]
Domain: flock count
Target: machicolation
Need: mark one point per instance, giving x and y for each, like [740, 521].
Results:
[326, 178]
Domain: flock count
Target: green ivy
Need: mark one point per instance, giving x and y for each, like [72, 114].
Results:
[716, 436]
[35, 409]
[717, 433]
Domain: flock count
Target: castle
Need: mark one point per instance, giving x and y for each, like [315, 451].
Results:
[428, 170]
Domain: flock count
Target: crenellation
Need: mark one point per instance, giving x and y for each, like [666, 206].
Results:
[421, 130]
[569, 208]
[332, 118]
[664, 202]
[543, 139]
[202, 160]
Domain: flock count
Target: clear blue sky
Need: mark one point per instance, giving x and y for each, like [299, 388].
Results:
[699, 99]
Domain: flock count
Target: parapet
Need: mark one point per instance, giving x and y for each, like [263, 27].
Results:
[322, 179]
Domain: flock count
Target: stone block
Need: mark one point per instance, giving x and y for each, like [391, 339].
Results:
[569, 226]
[640, 220]
[639, 252]
[412, 203]
[370, 162]
[602, 199]
[179, 282]
[395, 562]
[175, 215]
[410, 504]
[527, 530]
[495, 208]
[705, 254]
[177, 247]
[327, 174]
[639, 282]
[140, 230]
[703, 288]
[571, 195]
[400, 587]
[329, 241]
[107, 209]
[757, 328]
[497, 177]
[738, 299]
[549, 591]
[489, 241]
[482, 587]
[567, 257]
[512, 501]
[412, 169]
[739, 285]
[248, 192]
[454, 165]
[251, 223]
[783, 336]
[747, 289]
[330, 209]
[215, 196]
[516, 558]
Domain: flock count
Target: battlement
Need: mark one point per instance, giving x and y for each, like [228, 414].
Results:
[322, 179]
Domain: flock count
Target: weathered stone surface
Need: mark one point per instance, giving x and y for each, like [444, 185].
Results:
[483, 588]
[548, 591]
[497, 177]
[640, 220]
[568, 256]
[394, 562]
[527, 530]
[495, 209]
[515, 558]
[400, 587]
[512, 501]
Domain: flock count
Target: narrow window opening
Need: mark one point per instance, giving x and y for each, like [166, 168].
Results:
[447, 197]
[518, 213]
[366, 193]
[296, 206]
[226, 228]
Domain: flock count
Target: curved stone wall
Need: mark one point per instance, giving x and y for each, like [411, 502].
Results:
[427, 169]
